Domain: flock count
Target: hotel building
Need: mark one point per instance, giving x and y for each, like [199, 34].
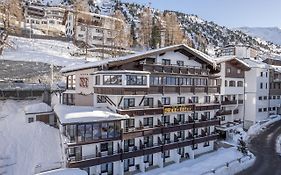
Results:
[143, 111]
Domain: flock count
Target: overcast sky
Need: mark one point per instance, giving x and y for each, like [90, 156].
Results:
[230, 13]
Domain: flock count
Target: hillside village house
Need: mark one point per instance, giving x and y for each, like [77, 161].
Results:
[94, 29]
[46, 19]
[142, 111]
[232, 93]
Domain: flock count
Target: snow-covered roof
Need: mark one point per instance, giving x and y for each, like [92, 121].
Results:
[89, 65]
[229, 58]
[37, 108]
[122, 72]
[85, 114]
[255, 63]
[65, 171]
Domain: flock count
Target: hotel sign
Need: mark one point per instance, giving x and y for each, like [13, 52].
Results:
[182, 108]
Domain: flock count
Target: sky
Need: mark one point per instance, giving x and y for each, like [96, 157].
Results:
[230, 13]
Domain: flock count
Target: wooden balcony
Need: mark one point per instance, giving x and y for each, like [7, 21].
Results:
[174, 69]
[120, 91]
[226, 112]
[92, 161]
[213, 122]
[231, 102]
[161, 89]
[206, 138]
[140, 111]
[206, 107]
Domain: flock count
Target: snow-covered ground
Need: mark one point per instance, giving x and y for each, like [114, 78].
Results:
[212, 163]
[278, 145]
[41, 50]
[262, 125]
[26, 148]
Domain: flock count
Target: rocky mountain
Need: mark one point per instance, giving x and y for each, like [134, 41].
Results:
[151, 28]
[271, 34]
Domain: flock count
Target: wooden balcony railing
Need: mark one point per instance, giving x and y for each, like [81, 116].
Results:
[226, 112]
[120, 155]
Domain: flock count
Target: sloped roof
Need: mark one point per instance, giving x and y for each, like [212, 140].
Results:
[121, 60]
[233, 59]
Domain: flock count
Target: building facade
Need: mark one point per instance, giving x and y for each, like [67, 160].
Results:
[48, 20]
[232, 94]
[159, 107]
[95, 29]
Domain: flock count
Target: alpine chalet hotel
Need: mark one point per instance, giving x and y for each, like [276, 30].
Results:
[139, 112]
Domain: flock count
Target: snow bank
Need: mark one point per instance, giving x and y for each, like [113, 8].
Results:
[66, 171]
[28, 148]
[207, 163]
[37, 108]
[261, 125]
[278, 145]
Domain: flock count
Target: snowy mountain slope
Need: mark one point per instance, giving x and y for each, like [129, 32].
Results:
[39, 50]
[26, 148]
[271, 34]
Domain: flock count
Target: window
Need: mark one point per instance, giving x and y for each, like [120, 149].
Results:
[180, 118]
[97, 79]
[261, 74]
[238, 71]
[194, 99]
[273, 97]
[265, 85]
[232, 83]
[195, 146]
[166, 100]
[180, 63]
[88, 132]
[261, 85]
[112, 79]
[130, 123]
[129, 102]
[264, 109]
[136, 80]
[228, 70]
[222, 118]
[155, 80]
[166, 62]
[107, 168]
[148, 141]
[181, 100]
[165, 119]
[148, 121]
[273, 108]
[128, 143]
[240, 84]
[207, 99]
[101, 99]
[265, 97]
[260, 97]
[265, 74]
[148, 102]
[225, 82]
[30, 119]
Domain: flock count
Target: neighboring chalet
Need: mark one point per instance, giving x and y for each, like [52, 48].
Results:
[232, 93]
[139, 112]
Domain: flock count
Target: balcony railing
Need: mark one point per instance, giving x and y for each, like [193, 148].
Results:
[141, 151]
[172, 68]
[140, 111]
[226, 112]
[231, 102]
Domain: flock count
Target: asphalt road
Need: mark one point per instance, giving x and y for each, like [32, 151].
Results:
[268, 162]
